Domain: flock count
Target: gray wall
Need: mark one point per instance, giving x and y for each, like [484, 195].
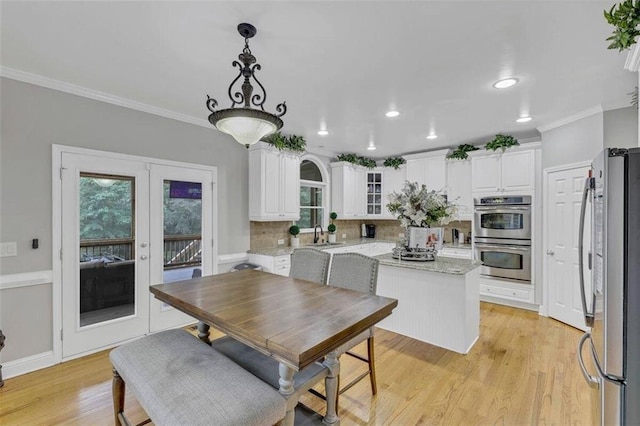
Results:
[621, 128]
[578, 141]
[33, 118]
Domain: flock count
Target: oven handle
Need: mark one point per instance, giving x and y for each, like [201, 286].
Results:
[498, 208]
[588, 316]
[481, 245]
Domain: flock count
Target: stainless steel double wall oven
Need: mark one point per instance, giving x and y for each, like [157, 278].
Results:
[502, 236]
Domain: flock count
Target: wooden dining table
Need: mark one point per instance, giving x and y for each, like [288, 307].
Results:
[294, 321]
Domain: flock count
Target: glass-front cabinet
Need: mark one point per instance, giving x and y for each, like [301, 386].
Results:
[374, 193]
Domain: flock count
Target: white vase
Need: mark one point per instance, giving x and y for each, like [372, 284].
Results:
[332, 238]
[295, 242]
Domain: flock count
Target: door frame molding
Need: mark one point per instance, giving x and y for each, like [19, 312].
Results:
[544, 308]
[56, 225]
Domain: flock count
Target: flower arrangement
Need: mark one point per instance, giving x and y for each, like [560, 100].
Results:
[417, 206]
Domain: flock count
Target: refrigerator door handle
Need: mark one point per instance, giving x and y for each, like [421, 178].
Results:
[588, 184]
[591, 380]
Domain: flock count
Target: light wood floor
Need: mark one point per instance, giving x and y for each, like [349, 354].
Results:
[523, 370]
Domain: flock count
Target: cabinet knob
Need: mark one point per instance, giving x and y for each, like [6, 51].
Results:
[144, 257]
[551, 252]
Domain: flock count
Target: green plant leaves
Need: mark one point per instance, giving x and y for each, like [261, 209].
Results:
[625, 19]
[462, 152]
[501, 142]
[356, 159]
[394, 162]
[293, 143]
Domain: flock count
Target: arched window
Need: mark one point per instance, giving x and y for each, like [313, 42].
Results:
[313, 194]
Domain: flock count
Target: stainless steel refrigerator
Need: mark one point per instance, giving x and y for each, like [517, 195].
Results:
[612, 303]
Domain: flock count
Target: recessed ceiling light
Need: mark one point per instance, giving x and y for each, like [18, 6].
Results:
[432, 136]
[323, 132]
[503, 84]
[523, 119]
[392, 114]
[371, 148]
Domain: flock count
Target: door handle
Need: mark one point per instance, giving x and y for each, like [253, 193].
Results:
[591, 380]
[551, 252]
[589, 183]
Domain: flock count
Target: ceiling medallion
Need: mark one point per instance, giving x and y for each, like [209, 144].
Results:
[245, 123]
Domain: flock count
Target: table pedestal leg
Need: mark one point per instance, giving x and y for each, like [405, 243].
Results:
[287, 389]
[331, 387]
[203, 332]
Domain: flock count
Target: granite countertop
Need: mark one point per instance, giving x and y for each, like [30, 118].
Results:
[281, 251]
[442, 264]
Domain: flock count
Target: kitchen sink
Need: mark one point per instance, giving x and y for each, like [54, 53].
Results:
[324, 244]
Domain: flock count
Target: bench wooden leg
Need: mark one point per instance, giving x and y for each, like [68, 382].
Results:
[118, 396]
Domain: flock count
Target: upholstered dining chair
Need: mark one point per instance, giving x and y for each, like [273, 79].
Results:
[310, 264]
[354, 271]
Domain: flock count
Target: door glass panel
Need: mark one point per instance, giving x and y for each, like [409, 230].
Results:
[107, 253]
[496, 259]
[509, 221]
[182, 213]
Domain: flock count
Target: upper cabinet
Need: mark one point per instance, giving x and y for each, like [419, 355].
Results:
[274, 184]
[360, 193]
[428, 168]
[511, 171]
[459, 187]
[348, 190]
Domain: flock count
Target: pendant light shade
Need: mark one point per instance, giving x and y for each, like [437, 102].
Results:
[247, 125]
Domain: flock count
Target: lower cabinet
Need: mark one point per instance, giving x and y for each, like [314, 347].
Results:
[506, 291]
[280, 264]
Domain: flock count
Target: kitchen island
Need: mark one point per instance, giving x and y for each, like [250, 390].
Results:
[438, 301]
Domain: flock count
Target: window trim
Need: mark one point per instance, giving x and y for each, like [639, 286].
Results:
[325, 185]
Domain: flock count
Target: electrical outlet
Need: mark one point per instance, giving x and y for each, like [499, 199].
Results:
[401, 235]
[344, 235]
[280, 242]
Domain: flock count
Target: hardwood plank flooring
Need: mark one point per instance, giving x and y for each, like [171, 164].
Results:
[522, 370]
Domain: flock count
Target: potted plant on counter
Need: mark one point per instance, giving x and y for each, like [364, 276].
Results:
[294, 230]
[332, 227]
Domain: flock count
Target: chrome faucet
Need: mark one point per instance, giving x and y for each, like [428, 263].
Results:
[316, 237]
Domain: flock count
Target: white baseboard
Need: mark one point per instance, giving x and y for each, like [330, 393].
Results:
[27, 365]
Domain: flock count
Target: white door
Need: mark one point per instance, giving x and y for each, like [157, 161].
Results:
[181, 227]
[105, 250]
[562, 219]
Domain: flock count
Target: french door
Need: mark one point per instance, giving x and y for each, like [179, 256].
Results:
[128, 223]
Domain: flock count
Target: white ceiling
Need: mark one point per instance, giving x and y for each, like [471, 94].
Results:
[337, 63]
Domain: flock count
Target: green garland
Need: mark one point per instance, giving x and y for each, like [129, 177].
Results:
[501, 142]
[356, 159]
[625, 19]
[394, 162]
[462, 152]
[293, 143]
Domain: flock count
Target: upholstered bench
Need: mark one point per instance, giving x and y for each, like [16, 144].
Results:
[180, 380]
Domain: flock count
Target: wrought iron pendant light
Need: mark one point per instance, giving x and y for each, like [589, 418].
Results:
[247, 125]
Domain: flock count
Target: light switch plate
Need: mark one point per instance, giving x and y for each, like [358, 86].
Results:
[344, 235]
[8, 249]
[280, 242]
[401, 235]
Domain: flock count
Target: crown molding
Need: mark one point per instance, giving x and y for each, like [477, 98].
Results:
[570, 119]
[85, 92]
[633, 59]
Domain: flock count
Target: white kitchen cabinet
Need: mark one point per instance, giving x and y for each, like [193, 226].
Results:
[280, 265]
[459, 187]
[428, 168]
[274, 184]
[392, 181]
[504, 172]
[348, 190]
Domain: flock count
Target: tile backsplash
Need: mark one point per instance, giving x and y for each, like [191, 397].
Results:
[266, 234]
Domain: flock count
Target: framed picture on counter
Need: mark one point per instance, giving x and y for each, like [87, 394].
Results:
[422, 238]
